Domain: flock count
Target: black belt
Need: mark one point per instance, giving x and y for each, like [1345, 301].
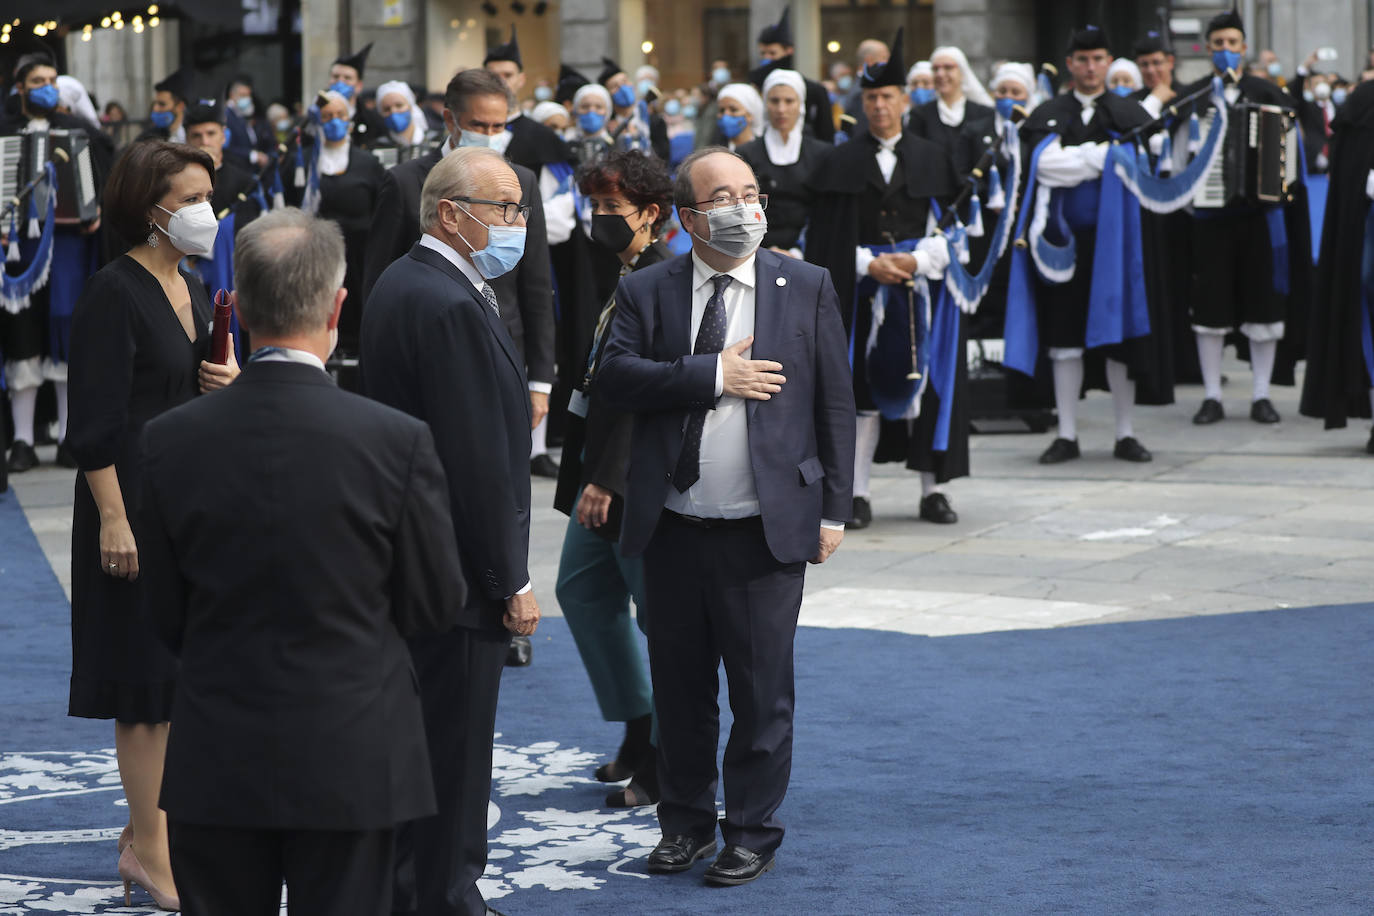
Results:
[692, 521]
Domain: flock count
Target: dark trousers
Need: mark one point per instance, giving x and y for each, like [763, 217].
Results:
[718, 594]
[440, 858]
[232, 871]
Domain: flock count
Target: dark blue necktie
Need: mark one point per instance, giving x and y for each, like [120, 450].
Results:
[710, 339]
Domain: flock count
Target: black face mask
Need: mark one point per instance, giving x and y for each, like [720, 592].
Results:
[612, 231]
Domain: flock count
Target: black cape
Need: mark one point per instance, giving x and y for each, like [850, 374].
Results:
[534, 146]
[1337, 383]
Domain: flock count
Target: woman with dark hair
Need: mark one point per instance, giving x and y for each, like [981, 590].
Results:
[139, 341]
[631, 198]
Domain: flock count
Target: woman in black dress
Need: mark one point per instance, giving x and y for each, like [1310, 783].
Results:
[350, 179]
[783, 160]
[631, 198]
[139, 336]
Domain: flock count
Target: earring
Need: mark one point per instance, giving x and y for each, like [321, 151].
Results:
[152, 236]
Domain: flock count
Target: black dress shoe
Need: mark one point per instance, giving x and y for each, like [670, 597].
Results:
[679, 853]
[935, 508]
[1262, 411]
[543, 466]
[1210, 412]
[64, 455]
[737, 865]
[1060, 450]
[862, 514]
[22, 457]
[520, 653]
[1130, 449]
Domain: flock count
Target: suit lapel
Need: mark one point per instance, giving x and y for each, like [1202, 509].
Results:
[768, 296]
[675, 308]
[498, 327]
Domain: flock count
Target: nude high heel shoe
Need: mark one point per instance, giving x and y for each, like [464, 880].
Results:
[126, 836]
[131, 871]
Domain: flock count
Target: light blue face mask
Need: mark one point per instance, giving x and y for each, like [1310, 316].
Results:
[720, 76]
[1338, 96]
[244, 104]
[335, 129]
[591, 122]
[922, 96]
[1122, 91]
[44, 98]
[1226, 60]
[844, 83]
[672, 108]
[644, 87]
[624, 97]
[162, 119]
[1005, 108]
[343, 89]
[505, 248]
[689, 111]
[732, 125]
[1275, 68]
[542, 93]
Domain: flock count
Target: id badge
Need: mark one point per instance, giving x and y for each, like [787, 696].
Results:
[577, 404]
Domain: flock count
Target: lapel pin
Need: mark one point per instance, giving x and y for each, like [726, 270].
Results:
[781, 281]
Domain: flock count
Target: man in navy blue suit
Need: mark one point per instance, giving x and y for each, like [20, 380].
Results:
[736, 364]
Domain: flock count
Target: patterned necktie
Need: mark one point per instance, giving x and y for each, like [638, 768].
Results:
[490, 296]
[710, 339]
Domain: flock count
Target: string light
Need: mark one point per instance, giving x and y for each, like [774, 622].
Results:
[116, 16]
[85, 36]
[5, 28]
[833, 47]
[119, 24]
[152, 10]
[105, 23]
[154, 21]
[647, 47]
[40, 30]
[5, 38]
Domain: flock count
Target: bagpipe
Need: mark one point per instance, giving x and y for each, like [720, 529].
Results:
[50, 171]
[916, 326]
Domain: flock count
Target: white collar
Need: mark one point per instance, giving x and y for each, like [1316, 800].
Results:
[951, 115]
[334, 161]
[291, 355]
[448, 146]
[780, 151]
[890, 144]
[703, 272]
[1088, 101]
[454, 258]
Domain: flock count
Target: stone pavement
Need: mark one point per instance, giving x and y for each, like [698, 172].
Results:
[1232, 517]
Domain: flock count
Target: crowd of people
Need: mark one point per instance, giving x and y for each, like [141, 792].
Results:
[725, 302]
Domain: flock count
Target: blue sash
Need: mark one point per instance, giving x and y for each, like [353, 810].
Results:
[888, 350]
[73, 262]
[1021, 331]
[1117, 307]
[15, 290]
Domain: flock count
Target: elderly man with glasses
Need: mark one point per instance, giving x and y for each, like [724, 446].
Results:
[434, 346]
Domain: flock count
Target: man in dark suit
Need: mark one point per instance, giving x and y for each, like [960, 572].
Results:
[433, 345]
[740, 472]
[292, 534]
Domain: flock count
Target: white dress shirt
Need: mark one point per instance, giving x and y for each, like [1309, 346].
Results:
[334, 159]
[291, 355]
[726, 486]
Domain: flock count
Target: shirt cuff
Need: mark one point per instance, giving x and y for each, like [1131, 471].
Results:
[541, 387]
[832, 524]
[862, 258]
[1303, 71]
[1369, 185]
[1153, 105]
[529, 587]
[720, 376]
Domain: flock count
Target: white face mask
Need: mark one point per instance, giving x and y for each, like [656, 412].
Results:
[735, 231]
[192, 229]
[498, 142]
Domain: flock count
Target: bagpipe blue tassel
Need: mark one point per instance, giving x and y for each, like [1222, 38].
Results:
[35, 230]
[278, 193]
[975, 215]
[997, 197]
[14, 256]
[1166, 155]
[1194, 133]
[299, 180]
[1042, 83]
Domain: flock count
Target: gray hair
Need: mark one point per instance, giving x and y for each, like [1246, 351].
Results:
[456, 175]
[288, 265]
[684, 195]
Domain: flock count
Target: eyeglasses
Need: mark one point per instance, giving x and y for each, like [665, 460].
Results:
[509, 212]
[725, 200]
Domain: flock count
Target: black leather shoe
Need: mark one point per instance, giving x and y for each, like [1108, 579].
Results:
[22, 457]
[1262, 411]
[1060, 450]
[737, 865]
[1210, 412]
[935, 508]
[65, 458]
[520, 653]
[862, 515]
[679, 853]
[1130, 449]
[543, 466]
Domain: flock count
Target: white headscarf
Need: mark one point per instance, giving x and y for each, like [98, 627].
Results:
[595, 89]
[73, 97]
[973, 90]
[780, 151]
[334, 160]
[749, 97]
[1125, 65]
[545, 110]
[415, 133]
[920, 68]
[1017, 73]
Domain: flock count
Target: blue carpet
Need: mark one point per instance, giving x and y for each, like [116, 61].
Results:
[1201, 765]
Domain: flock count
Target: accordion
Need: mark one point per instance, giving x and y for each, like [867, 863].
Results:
[391, 156]
[23, 157]
[1258, 159]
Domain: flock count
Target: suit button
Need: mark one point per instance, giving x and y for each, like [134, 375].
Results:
[668, 477]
